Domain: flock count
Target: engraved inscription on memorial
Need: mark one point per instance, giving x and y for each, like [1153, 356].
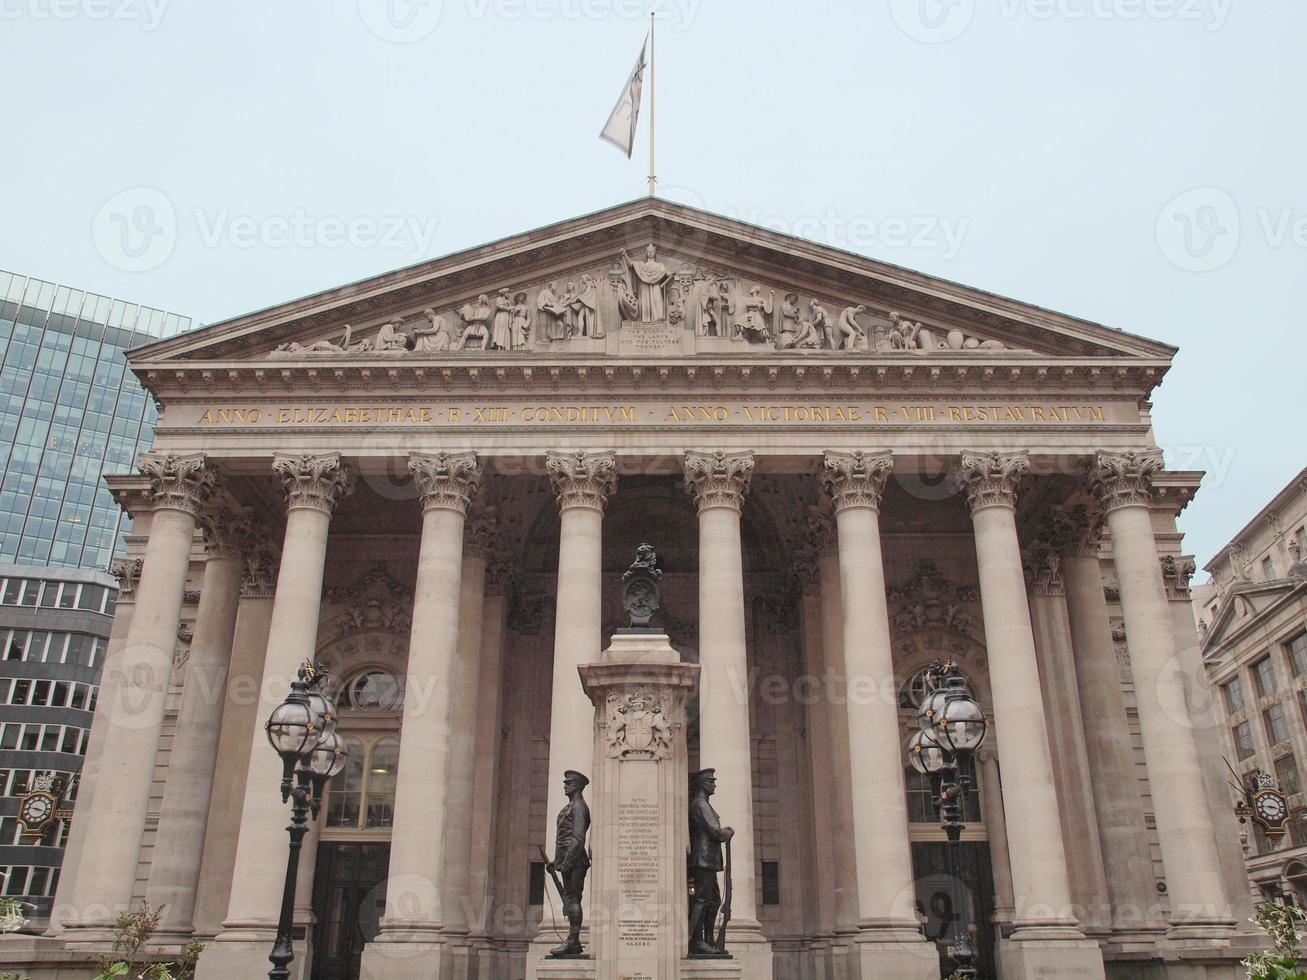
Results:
[637, 876]
[651, 338]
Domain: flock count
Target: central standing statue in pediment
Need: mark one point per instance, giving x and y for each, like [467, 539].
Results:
[649, 285]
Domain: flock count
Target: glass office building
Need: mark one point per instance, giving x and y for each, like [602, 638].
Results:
[69, 411]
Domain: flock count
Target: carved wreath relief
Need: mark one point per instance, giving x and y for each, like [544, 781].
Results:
[642, 291]
[638, 724]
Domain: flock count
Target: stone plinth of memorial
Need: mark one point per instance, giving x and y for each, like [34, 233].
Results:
[639, 795]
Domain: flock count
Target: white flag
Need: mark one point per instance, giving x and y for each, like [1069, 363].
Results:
[620, 128]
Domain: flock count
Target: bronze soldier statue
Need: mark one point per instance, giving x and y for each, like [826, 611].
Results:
[571, 860]
[706, 838]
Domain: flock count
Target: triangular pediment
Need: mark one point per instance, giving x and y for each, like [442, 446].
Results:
[1246, 604]
[652, 279]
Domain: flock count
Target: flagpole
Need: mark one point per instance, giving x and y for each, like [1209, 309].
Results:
[652, 89]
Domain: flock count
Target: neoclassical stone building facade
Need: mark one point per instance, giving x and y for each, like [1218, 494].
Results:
[431, 483]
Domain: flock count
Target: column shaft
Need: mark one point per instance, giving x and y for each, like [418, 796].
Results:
[821, 890]
[837, 719]
[1118, 804]
[991, 802]
[1057, 677]
[134, 689]
[239, 719]
[414, 907]
[1039, 871]
[1199, 906]
[488, 715]
[459, 811]
[889, 939]
[179, 843]
[313, 484]
[583, 482]
[128, 571]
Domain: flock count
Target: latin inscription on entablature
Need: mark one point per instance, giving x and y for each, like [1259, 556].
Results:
[545, 414]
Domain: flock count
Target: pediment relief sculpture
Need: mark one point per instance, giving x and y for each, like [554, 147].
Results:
[718, 310]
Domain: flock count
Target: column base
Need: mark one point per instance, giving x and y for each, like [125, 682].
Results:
[748, 947]
[390, 960]
[1201, 933]
[902, 953]
[1049, 959]
[225, 959]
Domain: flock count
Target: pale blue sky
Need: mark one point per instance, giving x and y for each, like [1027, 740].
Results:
[1036, 148]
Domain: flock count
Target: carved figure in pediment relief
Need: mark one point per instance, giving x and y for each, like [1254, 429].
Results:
[850, 333]
[678, 293]
[520, 327]
[903, 332]
[649, 284]
[787, 331]
[475, 317]
[584, 304]
[326, 346]
[821, 324]
[501, 329]
[391, 337]
[553, 313]
[432, 338]
[755, 327]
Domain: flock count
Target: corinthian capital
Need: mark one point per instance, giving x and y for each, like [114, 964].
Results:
[128, 573]
[991, 479]
[1176, 573]
[447, 481]
[582, 479]
[315, 482]
[1126, 478]
[1075, 531]
[179, 482]
[856, 479]
[225, 532]
[479, 535]
[718, 479]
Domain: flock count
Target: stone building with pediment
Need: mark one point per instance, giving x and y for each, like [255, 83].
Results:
[431, 482]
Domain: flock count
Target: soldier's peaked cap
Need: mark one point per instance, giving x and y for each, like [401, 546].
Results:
[573, 774]
[697, 777]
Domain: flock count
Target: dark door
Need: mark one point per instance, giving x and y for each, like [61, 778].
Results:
[975, 887]
[349, 896]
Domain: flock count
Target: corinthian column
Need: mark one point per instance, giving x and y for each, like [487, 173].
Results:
[179, 843]
[1118, 805]
[1045, 927]
[719, 481]
[313, 485]
[582, 482]
[1199, 906]
[134, 687]
[409, 945]
[128, 573]
[889, 939]
[465, 703]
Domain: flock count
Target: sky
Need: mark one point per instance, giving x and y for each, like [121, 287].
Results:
[1134, 162]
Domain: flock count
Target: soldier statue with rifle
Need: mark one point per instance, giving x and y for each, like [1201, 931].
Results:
[571, 861]
[707, 835]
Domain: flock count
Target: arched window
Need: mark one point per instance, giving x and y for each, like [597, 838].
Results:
[374, 690]
[362, 797]
[914, 690]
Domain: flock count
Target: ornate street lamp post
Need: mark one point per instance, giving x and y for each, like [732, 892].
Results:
[952, 728]
[303, 731]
